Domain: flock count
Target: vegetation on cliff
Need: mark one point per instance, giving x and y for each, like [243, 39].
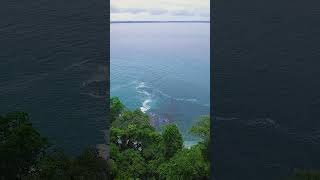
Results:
[25, 154]
[139, 151]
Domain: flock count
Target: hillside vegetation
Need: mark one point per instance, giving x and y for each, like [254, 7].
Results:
[137, 151]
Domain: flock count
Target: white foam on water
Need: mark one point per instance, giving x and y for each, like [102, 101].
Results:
[191, 100]
[188, 100]
[147, 96]
[146, 105]
[144, 92]
[142, 88]
[141, 85]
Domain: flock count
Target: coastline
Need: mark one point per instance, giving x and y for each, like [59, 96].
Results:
[116, 22]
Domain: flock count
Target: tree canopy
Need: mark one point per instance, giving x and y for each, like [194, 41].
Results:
[139, 151]
[172, 140]
[20, 145]
[25, 154]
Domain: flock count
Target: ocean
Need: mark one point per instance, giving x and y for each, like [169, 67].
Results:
[54, 66]
[162, 69]
[266, 89]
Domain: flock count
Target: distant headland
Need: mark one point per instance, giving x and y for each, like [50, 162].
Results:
[159, 22]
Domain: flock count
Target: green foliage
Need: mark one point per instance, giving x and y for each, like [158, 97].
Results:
[53, 166]
[172, 140]
[139, 151]
[190, 163]
[136, 117]
[306, 175]
[20, 145]
[24, 155]
[116, 108]
[186, 164]
[132, 130]
[58, 165]
[89, 165]
[134, 143]
[129, 163]
[202, 129]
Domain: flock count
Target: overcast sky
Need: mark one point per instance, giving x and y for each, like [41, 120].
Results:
[160, 10]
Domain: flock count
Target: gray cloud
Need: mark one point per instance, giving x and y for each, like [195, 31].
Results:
[182, 13]
[205, 14]
[158, 11]
[135, 10]
[115, 10]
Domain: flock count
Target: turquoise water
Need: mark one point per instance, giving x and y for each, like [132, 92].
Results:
[163, 69]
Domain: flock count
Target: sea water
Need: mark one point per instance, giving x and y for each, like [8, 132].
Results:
[53, 65]
[163, 69]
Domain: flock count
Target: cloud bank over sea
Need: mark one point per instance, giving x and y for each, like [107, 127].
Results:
[160, 10]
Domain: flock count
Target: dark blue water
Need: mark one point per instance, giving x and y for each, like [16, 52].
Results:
[53, 65]
[266, 89]
[163, 69]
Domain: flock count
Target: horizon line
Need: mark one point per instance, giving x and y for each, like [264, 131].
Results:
[196, 21]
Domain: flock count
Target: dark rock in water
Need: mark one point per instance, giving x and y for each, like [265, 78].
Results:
[158, 120]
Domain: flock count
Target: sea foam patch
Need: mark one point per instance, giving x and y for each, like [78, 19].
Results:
[147, 96]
